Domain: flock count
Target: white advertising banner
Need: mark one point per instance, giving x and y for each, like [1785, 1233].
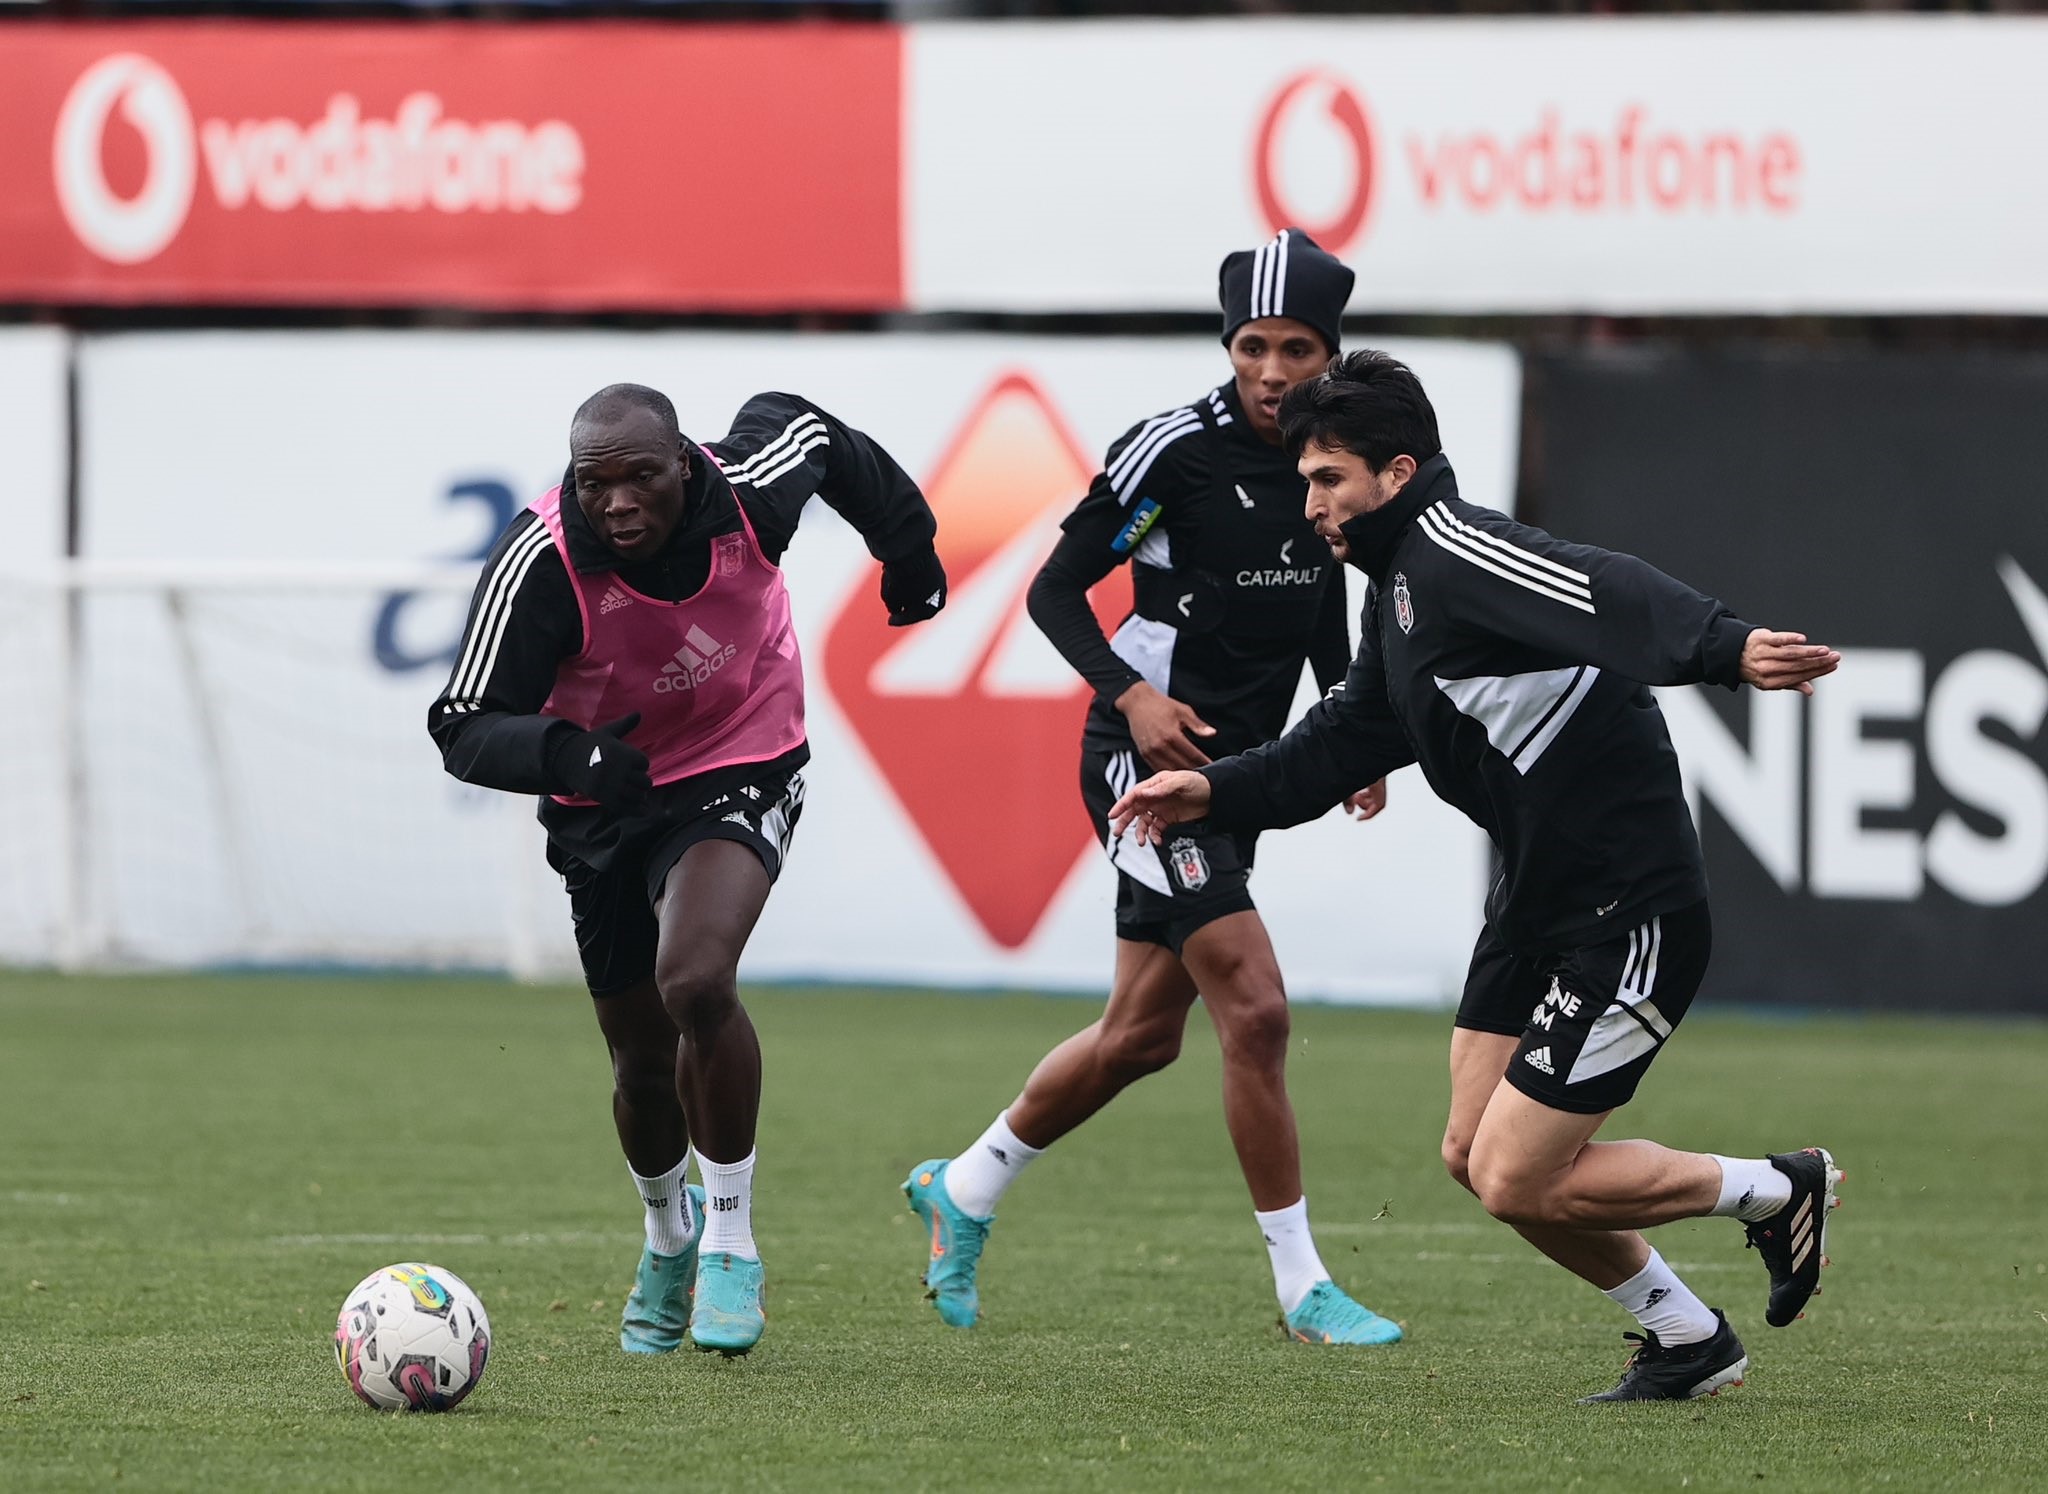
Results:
[264, 787]
[34, 873]
[1687, 164]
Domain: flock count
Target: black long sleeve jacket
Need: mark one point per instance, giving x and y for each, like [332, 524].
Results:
[1513, 667]
[1234, 590]
[523, 618]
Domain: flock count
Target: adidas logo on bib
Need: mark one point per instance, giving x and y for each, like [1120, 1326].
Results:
[614, 599]
[700, 657]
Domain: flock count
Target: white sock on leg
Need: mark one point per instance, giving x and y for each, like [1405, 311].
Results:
[977, 1179]
[728, 1206]
[1664, 1305]
[670, 1224]
[1292, 1250]
[1751, 1189]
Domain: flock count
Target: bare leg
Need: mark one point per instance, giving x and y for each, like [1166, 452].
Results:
[643, 1042]
[1606, 1258]
[1233, 963]
[1535, 1165]
[713, 897]
[1139, 1033]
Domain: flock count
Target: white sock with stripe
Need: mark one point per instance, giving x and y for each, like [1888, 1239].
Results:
[728, 1206]
[670, 1224]
[1292, 1251]
[1751, 1189]
[977, 1179]
[1664, 1305]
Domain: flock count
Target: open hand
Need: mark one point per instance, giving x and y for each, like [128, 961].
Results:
[1785, 661]
[1161, 800]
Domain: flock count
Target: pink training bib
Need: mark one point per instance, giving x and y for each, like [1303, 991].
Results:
[716, 678]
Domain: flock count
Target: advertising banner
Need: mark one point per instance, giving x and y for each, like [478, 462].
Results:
[602, 165]
[1885, 842]
[1686, 164]
[262, 764]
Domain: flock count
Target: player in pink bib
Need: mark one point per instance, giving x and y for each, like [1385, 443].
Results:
[629, 656]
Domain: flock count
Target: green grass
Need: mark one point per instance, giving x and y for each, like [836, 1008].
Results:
[193, 1171]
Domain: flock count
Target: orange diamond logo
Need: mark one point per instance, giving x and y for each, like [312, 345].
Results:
[973, 718]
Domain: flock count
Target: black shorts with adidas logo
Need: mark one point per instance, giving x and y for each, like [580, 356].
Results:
[612, 906]
[1164, 893]
[1593, 1019]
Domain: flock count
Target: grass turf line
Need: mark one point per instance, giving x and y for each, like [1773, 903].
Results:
[197, 1169]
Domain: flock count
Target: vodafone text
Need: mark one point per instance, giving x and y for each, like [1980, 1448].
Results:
[418, 159]
[1635, 163]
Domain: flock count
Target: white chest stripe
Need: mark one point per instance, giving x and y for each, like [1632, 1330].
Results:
[1522, 713]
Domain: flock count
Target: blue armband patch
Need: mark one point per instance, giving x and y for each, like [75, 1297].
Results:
[1141, 520]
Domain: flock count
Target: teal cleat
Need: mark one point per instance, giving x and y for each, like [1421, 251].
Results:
[957, 1238]
[1327, 1316]
[726, 1315]
[659, 1308]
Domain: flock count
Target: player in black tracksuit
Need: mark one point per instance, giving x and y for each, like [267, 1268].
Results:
[1233, 592]
[1514, 668]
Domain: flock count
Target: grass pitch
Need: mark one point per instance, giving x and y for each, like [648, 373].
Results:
[195, 1170]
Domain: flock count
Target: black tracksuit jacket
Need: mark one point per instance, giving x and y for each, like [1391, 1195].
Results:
[1513, 667]
[1234, 589]
[523, 618]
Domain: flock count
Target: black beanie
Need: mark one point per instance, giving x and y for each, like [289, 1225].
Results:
[1289, 275]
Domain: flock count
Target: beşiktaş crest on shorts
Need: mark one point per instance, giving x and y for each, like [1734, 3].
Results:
[1190, 866]
[1404, 605]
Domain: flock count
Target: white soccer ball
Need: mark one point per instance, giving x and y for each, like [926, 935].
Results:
[412, 1337]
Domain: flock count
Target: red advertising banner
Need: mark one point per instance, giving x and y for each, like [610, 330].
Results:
[552, 167]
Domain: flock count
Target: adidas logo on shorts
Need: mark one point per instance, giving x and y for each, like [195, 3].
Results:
[1539, 1060]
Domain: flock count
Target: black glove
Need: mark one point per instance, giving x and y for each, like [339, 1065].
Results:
[602, 765]
[913, 588]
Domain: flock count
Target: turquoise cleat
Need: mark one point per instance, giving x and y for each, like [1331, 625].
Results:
[957, 1238]
[1327, 1316]
[727, 1314]
[659, 1308]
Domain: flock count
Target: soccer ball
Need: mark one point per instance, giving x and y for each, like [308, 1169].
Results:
[412, 1337]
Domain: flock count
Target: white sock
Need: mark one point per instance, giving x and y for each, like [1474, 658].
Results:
[671, 1224]
[978, 1178]
[728, 1207]
[1751, 1189]
[1664, 1305]
[1292, 1249]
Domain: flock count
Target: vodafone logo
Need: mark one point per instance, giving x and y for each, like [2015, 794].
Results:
[131, 230]
[1320, 164]
[347, 159]
[977, 695]
[1313, 164]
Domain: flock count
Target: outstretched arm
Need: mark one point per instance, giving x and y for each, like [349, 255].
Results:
[1611, 610]
[1348, 740]
[783, 449]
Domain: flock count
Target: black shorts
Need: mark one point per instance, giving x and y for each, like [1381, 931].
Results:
[613, 910]
[1593, 1019]
[1163, 892]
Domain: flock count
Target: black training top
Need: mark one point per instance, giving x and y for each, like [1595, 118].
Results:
[1513, 667]
[1234, 588]
[523, 618]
